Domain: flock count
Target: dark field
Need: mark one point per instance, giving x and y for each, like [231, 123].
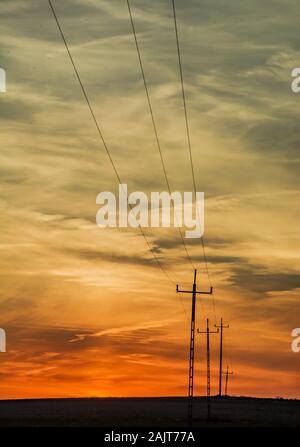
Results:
[149, 412]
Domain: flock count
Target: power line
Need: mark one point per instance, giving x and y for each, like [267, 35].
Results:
[189, 140]
[154, 124]
[186, 121]
[155, 257]
[107, 149]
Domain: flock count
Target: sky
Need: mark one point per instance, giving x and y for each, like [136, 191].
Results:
[86, 310]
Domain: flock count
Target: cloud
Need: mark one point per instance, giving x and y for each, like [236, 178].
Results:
[257, 279]
[93, 255]
[58, 268]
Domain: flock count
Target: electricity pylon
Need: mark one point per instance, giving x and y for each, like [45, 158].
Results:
[221, 327]
[194, 293]
[208, 332]
[227, 373]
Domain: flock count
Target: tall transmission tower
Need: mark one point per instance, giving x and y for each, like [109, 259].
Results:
[227, 373]
[208, 332]
[194, 293]
[221, 327]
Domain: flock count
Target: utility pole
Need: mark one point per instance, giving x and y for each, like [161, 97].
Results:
[194, 293]
[222, 326]
[226, 379]
[208, 332]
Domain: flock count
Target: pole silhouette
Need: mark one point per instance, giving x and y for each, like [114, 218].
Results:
[227, 373]
[194, 293]
[221, 327]
[208, 332]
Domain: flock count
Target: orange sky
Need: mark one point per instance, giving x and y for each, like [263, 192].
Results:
[86, 311]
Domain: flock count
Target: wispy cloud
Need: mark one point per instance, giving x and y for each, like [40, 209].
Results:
[58, 269]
